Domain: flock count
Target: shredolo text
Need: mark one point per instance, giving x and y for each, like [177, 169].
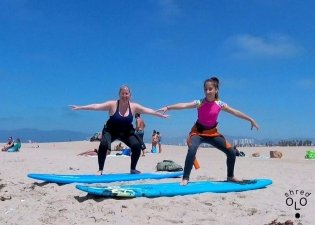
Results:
[298, 198]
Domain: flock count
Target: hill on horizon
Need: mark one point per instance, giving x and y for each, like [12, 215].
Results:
[36, 135]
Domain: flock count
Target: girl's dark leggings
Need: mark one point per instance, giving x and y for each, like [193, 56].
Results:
[217, 142]
[130, 140]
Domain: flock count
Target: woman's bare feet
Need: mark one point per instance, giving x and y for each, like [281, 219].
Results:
[100, 172]
[184, 182]
[233, 179]
[135, 171]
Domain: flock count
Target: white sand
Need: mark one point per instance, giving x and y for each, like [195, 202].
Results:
[30, 202]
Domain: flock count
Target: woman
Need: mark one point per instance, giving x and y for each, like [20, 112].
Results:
[119, 125]
[205, 128]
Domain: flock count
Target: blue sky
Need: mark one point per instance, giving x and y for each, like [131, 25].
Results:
[54, 53]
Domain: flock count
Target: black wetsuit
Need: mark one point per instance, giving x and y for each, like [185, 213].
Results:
[119, 127]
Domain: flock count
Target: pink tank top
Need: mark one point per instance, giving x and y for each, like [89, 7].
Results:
[208, 112]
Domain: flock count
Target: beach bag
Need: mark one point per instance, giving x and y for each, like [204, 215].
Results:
[168, 165]
[275, 154]
[310, 154]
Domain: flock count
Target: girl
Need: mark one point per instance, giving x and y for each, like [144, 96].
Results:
[205, 128]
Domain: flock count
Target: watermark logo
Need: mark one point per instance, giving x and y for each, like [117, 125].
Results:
[297, 199]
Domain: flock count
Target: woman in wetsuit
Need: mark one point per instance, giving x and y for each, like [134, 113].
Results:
[119, 125]
[205, 128]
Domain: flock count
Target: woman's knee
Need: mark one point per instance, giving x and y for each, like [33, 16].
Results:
[135, 146]
[104, 144]
[231, 153]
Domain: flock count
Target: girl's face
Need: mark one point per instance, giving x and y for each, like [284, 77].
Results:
[210, 91]
[124, 94]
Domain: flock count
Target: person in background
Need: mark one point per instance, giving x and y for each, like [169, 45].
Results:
[205, 129]
[8, 145]
[154, 141]
[119, 125]
[119, 147]
[89, 153]
[16, 147]
[159, 138]
[140, 125]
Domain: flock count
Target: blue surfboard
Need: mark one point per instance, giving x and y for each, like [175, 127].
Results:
[173, 189]
[105, 178]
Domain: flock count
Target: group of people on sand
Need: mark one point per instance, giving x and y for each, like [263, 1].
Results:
[156, 139]
[11, 145]
[119, 126]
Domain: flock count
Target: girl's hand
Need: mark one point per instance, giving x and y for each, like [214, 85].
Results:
[74, 107]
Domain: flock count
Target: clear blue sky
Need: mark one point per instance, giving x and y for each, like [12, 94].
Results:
[54, 53]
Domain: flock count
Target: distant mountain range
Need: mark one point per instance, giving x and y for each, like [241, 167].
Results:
[66, 135]
[43, 135]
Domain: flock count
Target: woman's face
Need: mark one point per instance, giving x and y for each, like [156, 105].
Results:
[124, 94]
[210, 91]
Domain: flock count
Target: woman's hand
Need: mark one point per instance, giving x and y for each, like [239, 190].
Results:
[254, 124]
[162, 110]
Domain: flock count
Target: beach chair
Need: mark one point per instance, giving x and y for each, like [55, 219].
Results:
[16, 147]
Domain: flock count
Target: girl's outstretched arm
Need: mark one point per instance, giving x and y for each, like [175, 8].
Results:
[241, 115]
[144, 110]
[178, 106]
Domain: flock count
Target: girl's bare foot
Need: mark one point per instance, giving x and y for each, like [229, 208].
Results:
[184, 182]
[100, 172]
[233, 179]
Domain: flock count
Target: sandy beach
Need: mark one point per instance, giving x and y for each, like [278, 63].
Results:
[27, 201]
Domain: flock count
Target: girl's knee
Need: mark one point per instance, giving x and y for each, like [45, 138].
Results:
[191, 153]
